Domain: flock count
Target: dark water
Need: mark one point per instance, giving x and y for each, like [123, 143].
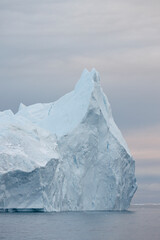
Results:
[140, 222]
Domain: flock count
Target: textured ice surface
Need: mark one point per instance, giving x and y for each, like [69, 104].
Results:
[65, 155]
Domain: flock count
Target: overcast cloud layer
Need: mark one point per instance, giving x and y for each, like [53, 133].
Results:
[45, 45]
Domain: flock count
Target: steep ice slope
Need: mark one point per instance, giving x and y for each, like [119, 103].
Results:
[93, 169]
[62, 116]
[94, 157]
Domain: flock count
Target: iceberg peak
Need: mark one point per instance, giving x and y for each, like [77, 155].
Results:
[21, 106]
[88, 79]
[95, 75]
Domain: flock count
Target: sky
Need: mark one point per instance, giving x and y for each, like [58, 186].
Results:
[46, 44]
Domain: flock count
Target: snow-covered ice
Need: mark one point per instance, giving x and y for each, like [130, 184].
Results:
[65, 155]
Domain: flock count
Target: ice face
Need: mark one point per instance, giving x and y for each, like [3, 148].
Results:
[24, 146]
[67, 155]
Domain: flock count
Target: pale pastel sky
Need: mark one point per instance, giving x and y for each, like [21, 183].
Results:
[46, 44]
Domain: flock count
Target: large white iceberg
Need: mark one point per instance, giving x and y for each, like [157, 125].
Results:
[66, 155]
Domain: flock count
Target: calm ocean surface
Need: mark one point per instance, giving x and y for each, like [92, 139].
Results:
[140, 222]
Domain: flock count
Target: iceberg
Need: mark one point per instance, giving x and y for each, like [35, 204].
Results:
[68, 155]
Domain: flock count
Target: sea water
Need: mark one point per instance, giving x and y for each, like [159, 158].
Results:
[138, 223]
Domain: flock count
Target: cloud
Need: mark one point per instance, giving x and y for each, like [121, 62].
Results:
[144, 143]
[45, 45]
[144, 146]
[147, 193]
